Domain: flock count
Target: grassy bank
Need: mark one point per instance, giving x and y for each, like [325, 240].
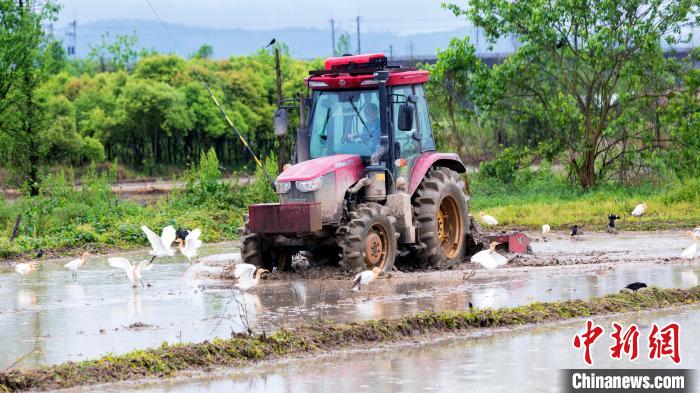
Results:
[534, 198]
[167, 359]
[64, 218]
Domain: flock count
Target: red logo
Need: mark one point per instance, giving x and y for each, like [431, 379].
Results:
[664, 342]
[592, 333]
[627, 343]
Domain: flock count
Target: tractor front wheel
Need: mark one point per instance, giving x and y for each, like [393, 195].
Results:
[253, 247]
[369, 239]
[441, 207]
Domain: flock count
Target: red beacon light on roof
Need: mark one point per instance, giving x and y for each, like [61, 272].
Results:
[358, 71]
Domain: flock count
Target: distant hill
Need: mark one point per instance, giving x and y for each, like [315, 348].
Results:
[303, 42]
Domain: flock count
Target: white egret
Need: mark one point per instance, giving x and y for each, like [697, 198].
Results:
[160, 244]
[248, 276]
[696, 231]
[489, 259]
[76, 264]
[689, 252]
[25, 269]
[545, 230]
[639, 210]
[364, 278]
[489, 220]
[191, 244]
[133, 271]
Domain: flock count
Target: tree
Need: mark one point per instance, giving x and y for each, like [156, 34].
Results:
[205, 51]
[119, 53]
[343, 46]
[589, 71]
[26, 59]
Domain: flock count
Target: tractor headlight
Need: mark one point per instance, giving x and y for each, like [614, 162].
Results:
[282, 186]
[309, 185]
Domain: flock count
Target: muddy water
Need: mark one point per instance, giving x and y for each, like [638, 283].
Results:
[54, 318]
[521, 360]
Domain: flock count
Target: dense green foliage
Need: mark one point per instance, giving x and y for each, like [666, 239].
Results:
[589, 85]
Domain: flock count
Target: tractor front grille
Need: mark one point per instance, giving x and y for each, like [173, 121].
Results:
[296, 196]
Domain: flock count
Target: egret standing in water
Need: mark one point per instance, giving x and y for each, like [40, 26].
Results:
[364, 278]
[25, 269]
[639, 210]
[489, 259]
[191, 244]
[76, 264]
[248, 276]
[545, 230]
[689, 252]
[133, 271]
[160, 244]
[489, 220]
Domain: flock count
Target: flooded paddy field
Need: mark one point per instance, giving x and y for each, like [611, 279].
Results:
[526, 359]
[49, 317]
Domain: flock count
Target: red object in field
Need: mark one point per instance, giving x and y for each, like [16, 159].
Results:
[285, 218]
[517, 242]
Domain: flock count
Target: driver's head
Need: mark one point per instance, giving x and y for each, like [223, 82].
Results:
[371, 111]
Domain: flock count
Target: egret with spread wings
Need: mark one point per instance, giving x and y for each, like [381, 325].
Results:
[160, 244]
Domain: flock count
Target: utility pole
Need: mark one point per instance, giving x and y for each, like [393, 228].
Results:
[391, 51]
[72, 37]
[278, 75]
[332, 37]
[359, 48]
[410, 50]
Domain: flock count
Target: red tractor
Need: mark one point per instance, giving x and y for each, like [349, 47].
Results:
[368, 185]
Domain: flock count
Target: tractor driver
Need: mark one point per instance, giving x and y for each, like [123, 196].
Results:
[372, 129]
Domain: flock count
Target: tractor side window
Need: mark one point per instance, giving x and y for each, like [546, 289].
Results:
[427, 141]
[409, 148]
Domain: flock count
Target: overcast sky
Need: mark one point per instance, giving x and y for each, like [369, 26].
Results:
[398, 16]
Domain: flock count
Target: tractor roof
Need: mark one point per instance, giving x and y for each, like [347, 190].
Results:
[348, 72]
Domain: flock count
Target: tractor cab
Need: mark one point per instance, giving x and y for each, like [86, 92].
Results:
[360, 105]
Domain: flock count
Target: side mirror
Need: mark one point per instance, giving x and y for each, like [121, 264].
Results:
[405, 121]
[280, 122]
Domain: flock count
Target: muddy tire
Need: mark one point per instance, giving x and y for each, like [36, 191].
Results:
[253, 248]
[369, 239]
[440, 207]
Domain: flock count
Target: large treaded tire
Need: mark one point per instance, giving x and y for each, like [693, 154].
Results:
[252, 247]
[352, 237]
[438, 184]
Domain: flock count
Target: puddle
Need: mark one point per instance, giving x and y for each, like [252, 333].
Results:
[56, 318]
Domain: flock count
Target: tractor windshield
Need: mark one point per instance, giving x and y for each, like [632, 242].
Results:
[345, 122]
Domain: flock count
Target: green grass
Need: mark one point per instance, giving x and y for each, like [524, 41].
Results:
[169, 359]
[62, 219]
[537, 198]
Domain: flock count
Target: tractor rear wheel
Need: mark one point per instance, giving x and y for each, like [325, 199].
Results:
[440, 206]
[369, 239]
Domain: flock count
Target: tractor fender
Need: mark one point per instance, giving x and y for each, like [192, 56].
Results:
[430, 159]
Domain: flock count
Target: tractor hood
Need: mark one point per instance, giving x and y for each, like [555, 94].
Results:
[349, 165]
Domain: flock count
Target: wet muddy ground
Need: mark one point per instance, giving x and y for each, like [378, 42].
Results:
[51, 318]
